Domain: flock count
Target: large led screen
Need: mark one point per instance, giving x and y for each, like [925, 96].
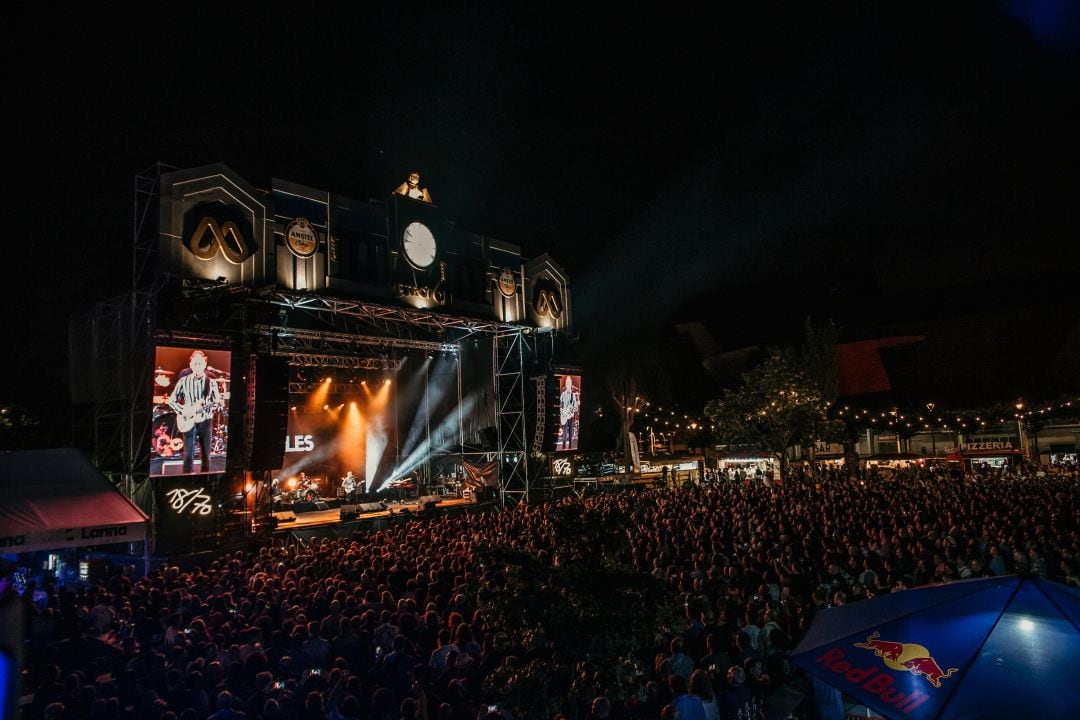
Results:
[569, 427]
[189, 427]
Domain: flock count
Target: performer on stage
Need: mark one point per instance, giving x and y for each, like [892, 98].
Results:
[195, 399]
[306, 488]
[348, 484]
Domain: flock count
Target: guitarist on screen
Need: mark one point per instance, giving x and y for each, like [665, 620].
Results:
[569, 402]
[195, 399]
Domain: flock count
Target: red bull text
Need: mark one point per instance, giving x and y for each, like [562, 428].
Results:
[902, 657]
[873, 681]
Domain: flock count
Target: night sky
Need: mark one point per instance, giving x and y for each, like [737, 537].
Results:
[658, 157]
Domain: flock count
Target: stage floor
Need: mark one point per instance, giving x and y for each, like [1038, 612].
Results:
[319, 518]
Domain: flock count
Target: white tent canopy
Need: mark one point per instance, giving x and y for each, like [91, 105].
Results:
[54, 499]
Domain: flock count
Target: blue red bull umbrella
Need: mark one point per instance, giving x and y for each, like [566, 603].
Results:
[1004, 647]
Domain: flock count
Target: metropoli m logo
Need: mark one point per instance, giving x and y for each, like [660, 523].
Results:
[209, 237]
[546, 300]
[218, 227]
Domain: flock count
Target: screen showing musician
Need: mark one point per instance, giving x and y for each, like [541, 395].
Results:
[569, 412]
[189, 428]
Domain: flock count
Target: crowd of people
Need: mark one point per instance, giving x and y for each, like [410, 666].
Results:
[389, 624]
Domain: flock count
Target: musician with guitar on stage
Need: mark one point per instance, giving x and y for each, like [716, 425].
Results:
[348, 486]
[195, 399]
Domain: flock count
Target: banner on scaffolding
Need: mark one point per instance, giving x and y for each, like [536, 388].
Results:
[482, 475]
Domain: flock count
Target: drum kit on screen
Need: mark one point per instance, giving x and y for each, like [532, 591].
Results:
[167, 440]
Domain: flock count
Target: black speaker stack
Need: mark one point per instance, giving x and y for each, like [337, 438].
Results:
[270, 379]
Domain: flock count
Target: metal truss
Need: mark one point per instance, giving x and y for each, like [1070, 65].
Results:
[393, 321]
[195, 339]
[145, 223]
[338, 388]
[541, 420]
[509, 362]
[112, 413]
[297, 341]
[343, 363]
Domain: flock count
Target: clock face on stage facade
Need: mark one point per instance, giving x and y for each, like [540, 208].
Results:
[418, 244]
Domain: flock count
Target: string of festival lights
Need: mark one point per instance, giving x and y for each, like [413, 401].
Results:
[669, 420]
[934, 417]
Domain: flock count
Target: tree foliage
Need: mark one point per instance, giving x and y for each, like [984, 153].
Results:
[816, 358]
[776, 407]
[630, 386]
[22, 430]
[784, 401]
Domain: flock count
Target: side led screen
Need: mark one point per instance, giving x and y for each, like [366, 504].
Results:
[569, 428]
[189, 426]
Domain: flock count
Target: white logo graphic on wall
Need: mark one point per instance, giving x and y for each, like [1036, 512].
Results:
[195, 502]
[560, 466]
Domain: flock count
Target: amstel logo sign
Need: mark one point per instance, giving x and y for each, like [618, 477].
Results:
[301, 238]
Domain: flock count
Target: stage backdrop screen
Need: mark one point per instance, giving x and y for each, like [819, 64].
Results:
[569, 427]
[189, 431]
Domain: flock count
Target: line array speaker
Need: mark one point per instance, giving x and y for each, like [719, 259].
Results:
[271, 427]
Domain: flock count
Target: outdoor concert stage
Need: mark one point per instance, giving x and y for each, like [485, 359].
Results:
[288, 521]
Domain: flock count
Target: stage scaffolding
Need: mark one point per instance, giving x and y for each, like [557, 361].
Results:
[112, 349]
[118, 338]
[513, 347]
[111, 364]
[509, 364]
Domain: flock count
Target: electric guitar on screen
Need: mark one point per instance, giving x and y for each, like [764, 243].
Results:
[189, 415]
[568, 410]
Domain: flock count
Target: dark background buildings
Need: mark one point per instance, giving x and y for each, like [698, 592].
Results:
[878, 165]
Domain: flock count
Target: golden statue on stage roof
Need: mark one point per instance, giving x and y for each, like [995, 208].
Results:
[411, 188]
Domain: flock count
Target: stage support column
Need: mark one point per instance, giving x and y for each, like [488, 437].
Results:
[427, 421]
[397, 426]
[460, 420]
